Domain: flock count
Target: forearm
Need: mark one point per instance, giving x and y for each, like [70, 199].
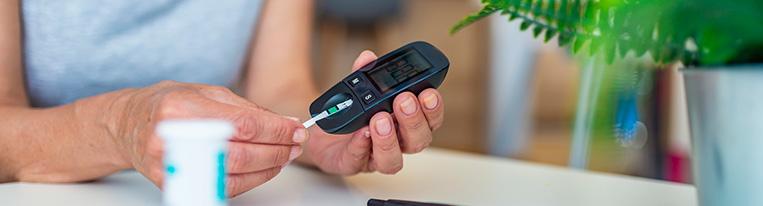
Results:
[279, 75]
[11, 79]
[67, 143]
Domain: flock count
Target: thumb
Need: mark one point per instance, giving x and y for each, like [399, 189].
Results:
[364, 58]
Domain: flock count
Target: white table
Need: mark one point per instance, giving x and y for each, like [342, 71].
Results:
[434, 175]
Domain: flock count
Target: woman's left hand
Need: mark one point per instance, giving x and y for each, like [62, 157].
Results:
[379, 146]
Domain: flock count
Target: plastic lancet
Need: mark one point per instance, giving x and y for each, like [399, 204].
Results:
[326, 113]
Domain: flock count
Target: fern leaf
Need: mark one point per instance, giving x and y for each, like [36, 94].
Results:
[550, 33]
[563, 17]
[665, 28]
[609, 51]
[565, 38]
[537, 30]
[524, 25]
[551, 13]
[579, 42]
[487, 11]
[576, 11]
[594, 46]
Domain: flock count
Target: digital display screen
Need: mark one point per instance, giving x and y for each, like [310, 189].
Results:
[398, 69]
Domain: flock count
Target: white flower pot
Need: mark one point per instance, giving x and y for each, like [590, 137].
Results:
[725, 108]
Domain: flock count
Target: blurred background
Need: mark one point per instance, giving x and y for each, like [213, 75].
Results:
[508, 94]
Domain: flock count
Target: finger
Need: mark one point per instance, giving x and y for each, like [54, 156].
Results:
[386, 150]
[252, 125]
[370, 165]
[355, 157]
[248, 157]
[265, 127]
[275, 128]
[152, 162]
[364, 58]
[412, 125]
[431, 104]
[154, 173]
[226, 96]
[240, 183]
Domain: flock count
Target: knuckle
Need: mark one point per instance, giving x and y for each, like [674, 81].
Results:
[168, 112]
[280, 131]
[435, 119]
[358, 156]
[236, 159]
[388, 146]
[218, 89]
[169, 100]
[233, 185]
[171, 104]
[280, 157]
[415, 123]
[247, 126]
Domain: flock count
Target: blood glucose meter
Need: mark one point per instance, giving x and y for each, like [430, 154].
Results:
[350, 104]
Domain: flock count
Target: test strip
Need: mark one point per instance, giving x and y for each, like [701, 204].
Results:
[326, 113]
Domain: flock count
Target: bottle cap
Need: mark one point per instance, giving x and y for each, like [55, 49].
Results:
[195, 129]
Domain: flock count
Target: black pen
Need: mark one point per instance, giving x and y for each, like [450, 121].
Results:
[377, 202]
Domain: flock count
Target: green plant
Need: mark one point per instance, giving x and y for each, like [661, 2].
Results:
[696, 32]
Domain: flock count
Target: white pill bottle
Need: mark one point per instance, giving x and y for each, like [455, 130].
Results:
[194, 161]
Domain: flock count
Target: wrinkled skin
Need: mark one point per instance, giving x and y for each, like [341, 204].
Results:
[263, 144]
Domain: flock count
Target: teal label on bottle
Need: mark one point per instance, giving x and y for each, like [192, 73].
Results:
[221, 176]
[171, 169]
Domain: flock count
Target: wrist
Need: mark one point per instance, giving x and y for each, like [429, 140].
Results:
[101, 118]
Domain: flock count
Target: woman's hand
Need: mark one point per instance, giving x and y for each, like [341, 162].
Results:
[263, 144]
[379, 146]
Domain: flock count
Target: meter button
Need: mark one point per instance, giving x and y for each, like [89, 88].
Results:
[368, 97]
[354, 81]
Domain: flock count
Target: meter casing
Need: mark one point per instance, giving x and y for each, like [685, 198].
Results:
[372, 88]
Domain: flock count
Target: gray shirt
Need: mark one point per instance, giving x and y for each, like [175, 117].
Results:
[80, 48]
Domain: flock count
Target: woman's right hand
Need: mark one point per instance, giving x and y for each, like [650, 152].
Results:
[264, 141]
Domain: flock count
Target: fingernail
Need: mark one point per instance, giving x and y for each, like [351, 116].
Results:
[295, 152]
[408, 106]
[300, 135]
[430, 101]
[383, 127]
[366, 133]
